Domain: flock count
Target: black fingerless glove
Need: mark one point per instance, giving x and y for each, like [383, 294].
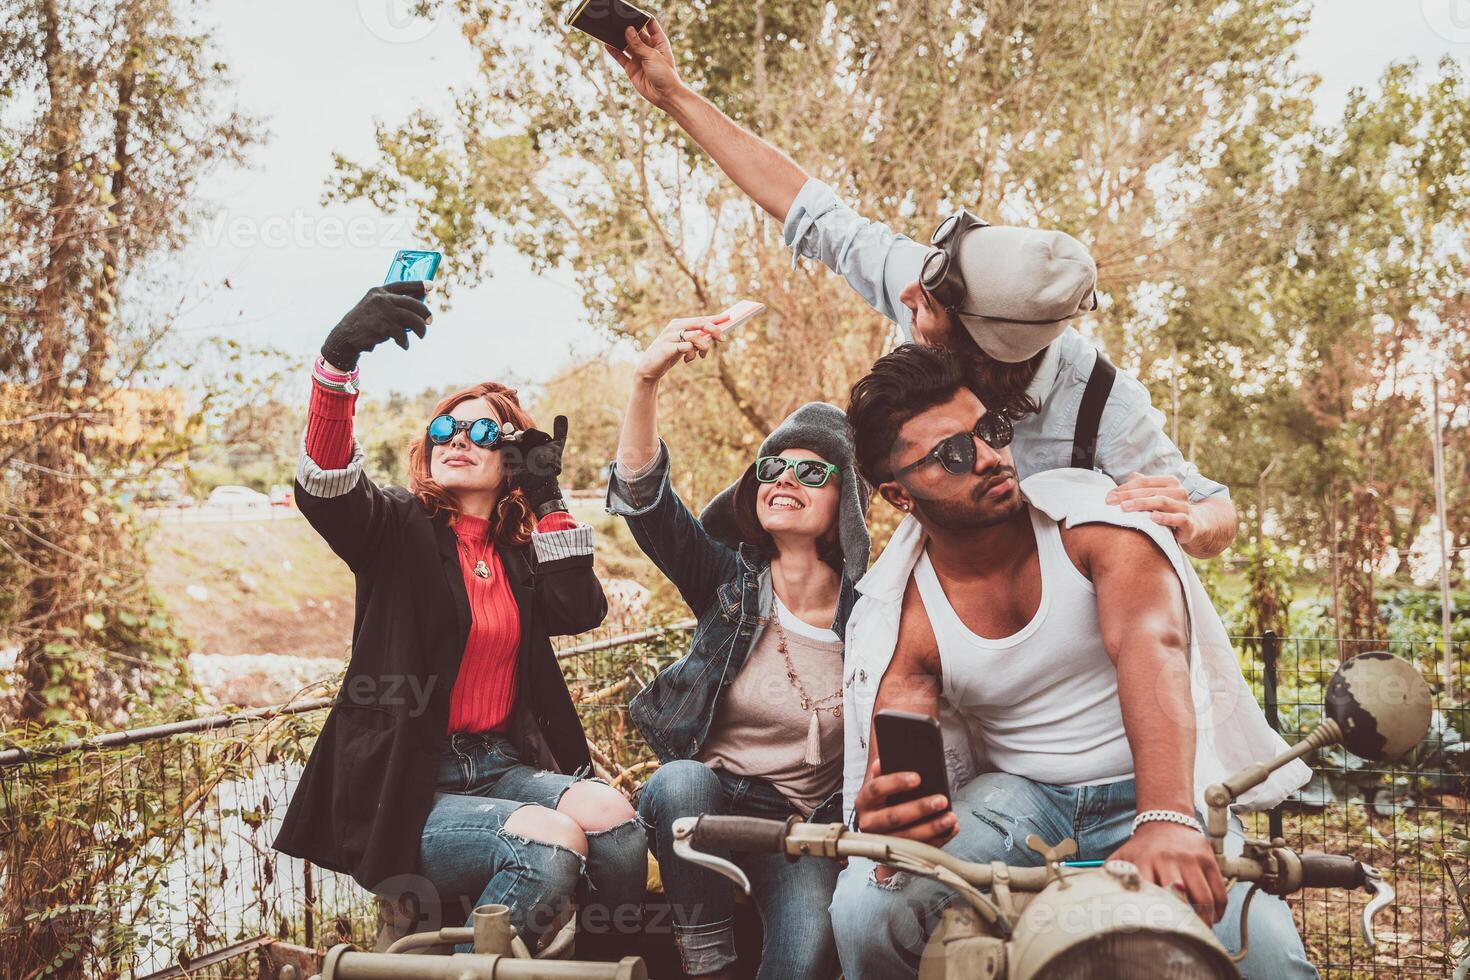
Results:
[533, 464]
[385, 312]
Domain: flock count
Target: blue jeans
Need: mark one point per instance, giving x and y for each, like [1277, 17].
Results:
[466, 853]
[788, 894]
[881, 929]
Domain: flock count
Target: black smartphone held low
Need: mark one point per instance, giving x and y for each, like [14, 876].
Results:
[909, 742]
[608, 20]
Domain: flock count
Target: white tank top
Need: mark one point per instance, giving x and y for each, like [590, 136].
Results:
[1042, 703]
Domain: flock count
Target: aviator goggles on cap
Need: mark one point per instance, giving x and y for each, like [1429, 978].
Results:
[957, 453]
[485, 433]
[809, 472]
[940, 275]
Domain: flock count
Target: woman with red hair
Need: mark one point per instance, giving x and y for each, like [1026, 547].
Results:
[450, 769]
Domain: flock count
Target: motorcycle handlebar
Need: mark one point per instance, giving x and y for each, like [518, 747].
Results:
[755, 834]
[715, 833]
[1331, 871]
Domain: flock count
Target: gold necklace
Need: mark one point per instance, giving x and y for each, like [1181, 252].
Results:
[816, 706]
[481, 568]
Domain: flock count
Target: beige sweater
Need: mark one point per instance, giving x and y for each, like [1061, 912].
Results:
[761, 728]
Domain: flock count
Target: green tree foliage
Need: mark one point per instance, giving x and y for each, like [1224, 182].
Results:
[251, 411]
[1278, 283]
[111, 111]
[592, 394]
[1315, 346]
[108, 118]
[1070, 115]
[1268, 597]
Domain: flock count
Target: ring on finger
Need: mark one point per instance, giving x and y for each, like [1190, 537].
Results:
[681, 335]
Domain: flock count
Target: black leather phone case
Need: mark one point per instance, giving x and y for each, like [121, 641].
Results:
[608, 20]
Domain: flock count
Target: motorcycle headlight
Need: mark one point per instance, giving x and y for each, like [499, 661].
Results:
[1135, 956]
[1111, 924]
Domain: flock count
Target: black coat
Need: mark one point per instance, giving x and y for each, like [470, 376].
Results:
[367, 788]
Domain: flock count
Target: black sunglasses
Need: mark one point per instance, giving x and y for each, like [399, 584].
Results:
[957, 452]
[485, 433]
[940, 275]
[809, 472]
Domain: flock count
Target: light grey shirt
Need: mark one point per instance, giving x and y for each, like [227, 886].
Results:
[879, 263]
[761, 728]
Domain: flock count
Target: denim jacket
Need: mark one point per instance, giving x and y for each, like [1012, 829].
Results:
[729, 592]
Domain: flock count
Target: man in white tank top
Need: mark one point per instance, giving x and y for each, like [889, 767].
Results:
[1062, 655]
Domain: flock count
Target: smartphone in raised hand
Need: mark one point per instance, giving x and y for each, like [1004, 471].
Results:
[737, 315]
[410, 264]
[608, 20]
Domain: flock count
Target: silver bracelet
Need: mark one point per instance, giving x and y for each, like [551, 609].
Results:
[1166, 816]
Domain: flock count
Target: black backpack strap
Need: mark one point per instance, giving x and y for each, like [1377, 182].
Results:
[1089, 415]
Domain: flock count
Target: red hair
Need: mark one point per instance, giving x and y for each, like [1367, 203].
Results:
[513, 520]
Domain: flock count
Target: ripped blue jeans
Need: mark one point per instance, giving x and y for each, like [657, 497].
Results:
[468, 857]
[881, 929]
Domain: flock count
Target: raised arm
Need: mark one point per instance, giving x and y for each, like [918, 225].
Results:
[334, 494]
[682, 340]
[1145, 628]
[640, 489]
[568, 594]
[876, 262]
[768, 176]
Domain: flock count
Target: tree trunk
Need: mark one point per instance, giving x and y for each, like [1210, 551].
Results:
[54, 511]
[1365, 541]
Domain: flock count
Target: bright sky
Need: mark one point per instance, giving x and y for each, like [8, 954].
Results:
[320, 74]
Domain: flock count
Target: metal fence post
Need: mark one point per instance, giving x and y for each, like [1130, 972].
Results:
[1270, 652]
[309, 906]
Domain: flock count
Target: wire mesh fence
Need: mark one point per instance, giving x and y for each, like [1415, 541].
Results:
[1408, 819]
[157, 857]
[155, 851]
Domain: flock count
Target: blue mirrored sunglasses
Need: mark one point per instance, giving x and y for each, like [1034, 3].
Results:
[484, 433]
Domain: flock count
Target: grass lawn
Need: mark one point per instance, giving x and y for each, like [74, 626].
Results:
[269, 587]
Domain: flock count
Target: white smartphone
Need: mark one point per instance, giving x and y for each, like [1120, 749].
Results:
[736, 315]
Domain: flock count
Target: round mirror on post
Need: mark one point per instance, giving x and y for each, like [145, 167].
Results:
[1381, 703]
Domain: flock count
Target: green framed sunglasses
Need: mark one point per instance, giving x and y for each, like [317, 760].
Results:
[809, 472]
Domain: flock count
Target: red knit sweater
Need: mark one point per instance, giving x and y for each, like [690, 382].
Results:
[485, 688]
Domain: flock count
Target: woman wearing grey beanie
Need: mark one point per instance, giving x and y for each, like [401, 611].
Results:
[748, 722]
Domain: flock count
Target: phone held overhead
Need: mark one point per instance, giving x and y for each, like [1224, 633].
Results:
[412, 264]
[608, 20]
[736, 315]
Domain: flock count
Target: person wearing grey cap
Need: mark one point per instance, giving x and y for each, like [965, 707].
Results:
[1004, 295]
[749, 721]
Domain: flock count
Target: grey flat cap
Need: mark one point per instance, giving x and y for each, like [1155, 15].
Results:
[1022, 286]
